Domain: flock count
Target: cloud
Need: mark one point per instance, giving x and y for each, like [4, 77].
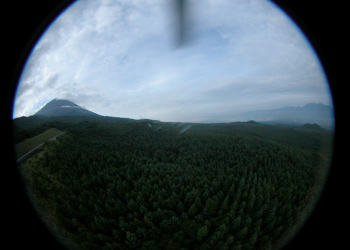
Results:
[51, 81]
[117, 58]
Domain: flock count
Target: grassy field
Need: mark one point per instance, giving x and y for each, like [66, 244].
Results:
[25, 146]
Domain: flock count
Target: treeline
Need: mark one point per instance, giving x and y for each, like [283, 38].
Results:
[146, 186]
[26, 127]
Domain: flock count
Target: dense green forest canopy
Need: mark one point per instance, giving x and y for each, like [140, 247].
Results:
[153, 185]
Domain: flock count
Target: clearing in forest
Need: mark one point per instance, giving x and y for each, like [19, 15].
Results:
[28, 144]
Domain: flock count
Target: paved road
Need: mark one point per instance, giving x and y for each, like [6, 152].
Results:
[32, 150]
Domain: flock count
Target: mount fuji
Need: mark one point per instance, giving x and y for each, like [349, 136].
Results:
[58, 107]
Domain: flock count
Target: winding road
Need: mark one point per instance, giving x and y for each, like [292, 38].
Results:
[32, 150]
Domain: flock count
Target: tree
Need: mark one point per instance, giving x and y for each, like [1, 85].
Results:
[230, 239]
[211, 206]
[202, 232]
[251, 201]
[180, 207]
[193, 210]
[237, 223]
[132, 240]
[237, 246]
[241, 234]
[251, 241]
[190, 229]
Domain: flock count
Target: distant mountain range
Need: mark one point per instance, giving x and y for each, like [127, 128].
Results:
[67, 111]
[310, 113]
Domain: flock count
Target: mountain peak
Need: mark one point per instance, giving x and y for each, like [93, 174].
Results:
[61, 107]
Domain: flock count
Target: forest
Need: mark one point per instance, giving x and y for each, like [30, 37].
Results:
[154, 185]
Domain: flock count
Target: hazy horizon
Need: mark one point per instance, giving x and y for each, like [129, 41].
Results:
[235, 118]
[119, 59]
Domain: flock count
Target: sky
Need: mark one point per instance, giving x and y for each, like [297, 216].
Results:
[119, 58]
